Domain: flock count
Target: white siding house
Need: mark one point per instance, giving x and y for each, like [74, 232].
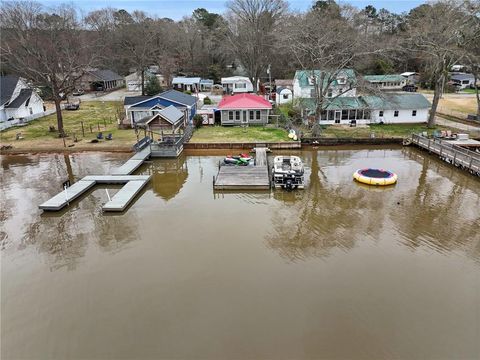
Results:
[237, 85]
[343, 83]
[18, 100]
[134, 81]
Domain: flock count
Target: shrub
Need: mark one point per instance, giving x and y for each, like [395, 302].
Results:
[207, 101]
[198, 121]
[188, 92]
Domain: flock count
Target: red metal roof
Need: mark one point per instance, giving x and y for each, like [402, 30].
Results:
[244, 101]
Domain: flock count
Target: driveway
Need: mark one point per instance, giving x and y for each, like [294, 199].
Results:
[117, 95]
[457, 125]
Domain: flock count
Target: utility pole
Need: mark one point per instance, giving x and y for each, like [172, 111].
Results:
[269, 82]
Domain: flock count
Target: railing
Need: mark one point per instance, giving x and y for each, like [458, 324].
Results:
[451, 153]
[142, 144]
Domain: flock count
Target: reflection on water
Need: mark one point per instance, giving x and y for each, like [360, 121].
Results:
[338, 270]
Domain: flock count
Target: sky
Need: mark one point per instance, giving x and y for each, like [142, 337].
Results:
[176, 9]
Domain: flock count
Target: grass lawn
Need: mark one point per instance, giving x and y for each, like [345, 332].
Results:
[381, 131]
[95, 115]
[468, 91]
[218, 134]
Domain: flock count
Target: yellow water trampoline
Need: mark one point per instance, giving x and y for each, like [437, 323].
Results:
[378, 177]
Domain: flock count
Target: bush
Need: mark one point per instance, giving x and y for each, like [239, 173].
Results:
[207, 101]
[188, 92]
[198, 121]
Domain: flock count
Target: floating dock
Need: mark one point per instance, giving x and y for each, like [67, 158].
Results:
[245, 177]
[133, 185]
[133, 163]
[451, 153]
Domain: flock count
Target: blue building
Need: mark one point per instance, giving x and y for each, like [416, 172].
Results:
[139, 107]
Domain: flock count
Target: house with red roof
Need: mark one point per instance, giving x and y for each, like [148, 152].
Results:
[244, 109]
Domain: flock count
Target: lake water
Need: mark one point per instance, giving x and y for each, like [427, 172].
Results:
[337, 271]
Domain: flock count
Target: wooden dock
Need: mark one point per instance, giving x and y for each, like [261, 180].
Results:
[455, 155]
[245, 177]
[133, 185]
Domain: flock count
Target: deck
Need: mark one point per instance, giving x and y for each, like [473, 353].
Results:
[455, 155]
[245, 177]
[133, 185]
[133, 163]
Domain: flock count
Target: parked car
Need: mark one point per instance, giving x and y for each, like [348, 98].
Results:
[78, 92]
[72, 106]
[410, 88]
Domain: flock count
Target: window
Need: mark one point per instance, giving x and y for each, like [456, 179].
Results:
[352, 114]
[230, 115]
[344, 114]
[329, 93]
[331, 114]
[252, 115]
[237, 115]
[312, 93]
[414, 112]
[465, 82]
[359, 114]
[285, 96]
[380, 113]
[366, 114]
[323, 115]
[258, 115]
[30, 110]
[240, 86]
[395, 113]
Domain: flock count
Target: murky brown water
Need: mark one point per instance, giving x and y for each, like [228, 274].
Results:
[336, 271]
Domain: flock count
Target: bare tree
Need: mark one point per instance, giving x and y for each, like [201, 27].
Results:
[325, 54]
[46, 48]
[251, 35]
[441, 34]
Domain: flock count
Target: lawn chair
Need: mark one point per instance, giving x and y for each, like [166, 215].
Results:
[109, 137]
[100, 136]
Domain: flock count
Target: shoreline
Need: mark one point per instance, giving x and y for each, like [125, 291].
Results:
[307, 143]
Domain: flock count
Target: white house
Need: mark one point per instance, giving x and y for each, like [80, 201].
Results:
[387, 82]
[134, 80]
[237, 84]
[411, 76]
[343, 83]
[182, 83]
[283, 95]
[462, 80]
[390, 108]
[17, 99]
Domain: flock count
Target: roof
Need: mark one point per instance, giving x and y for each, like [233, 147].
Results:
[178, 97]
[235, 79]
[409, 73]
[22, 97]
[303, 76]
[338, 103]
[284, 82]
[171, 114]
[280, 89]
[8, 84]
[387, 101]
[137, 75]
[384, 78]
[206, 81]
[186, 80]
[462, 76]
[105, 75]
[130, 100]
[397, 101]
[244, 101]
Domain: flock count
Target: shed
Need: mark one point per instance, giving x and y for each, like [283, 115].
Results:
[283, 95]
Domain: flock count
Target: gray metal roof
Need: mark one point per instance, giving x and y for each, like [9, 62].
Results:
[397, 101]
[130, 100]
[106, 75]
[186, 80]
[24, 95]
[171, 114]
[7, 86]
[178, 97]
[462, 76]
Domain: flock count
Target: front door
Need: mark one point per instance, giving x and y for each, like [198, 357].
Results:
[338, 116]
[244, 117]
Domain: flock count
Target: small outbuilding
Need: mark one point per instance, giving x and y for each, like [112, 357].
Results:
[237, 84]
[182, 83]
[244, 109]
[462, 80]
[387, 82]
[283, 95]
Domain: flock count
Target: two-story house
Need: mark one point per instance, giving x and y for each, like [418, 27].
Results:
[342, 83]
[18, 100]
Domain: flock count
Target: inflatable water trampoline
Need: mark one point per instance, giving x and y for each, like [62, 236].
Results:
[375, 177]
